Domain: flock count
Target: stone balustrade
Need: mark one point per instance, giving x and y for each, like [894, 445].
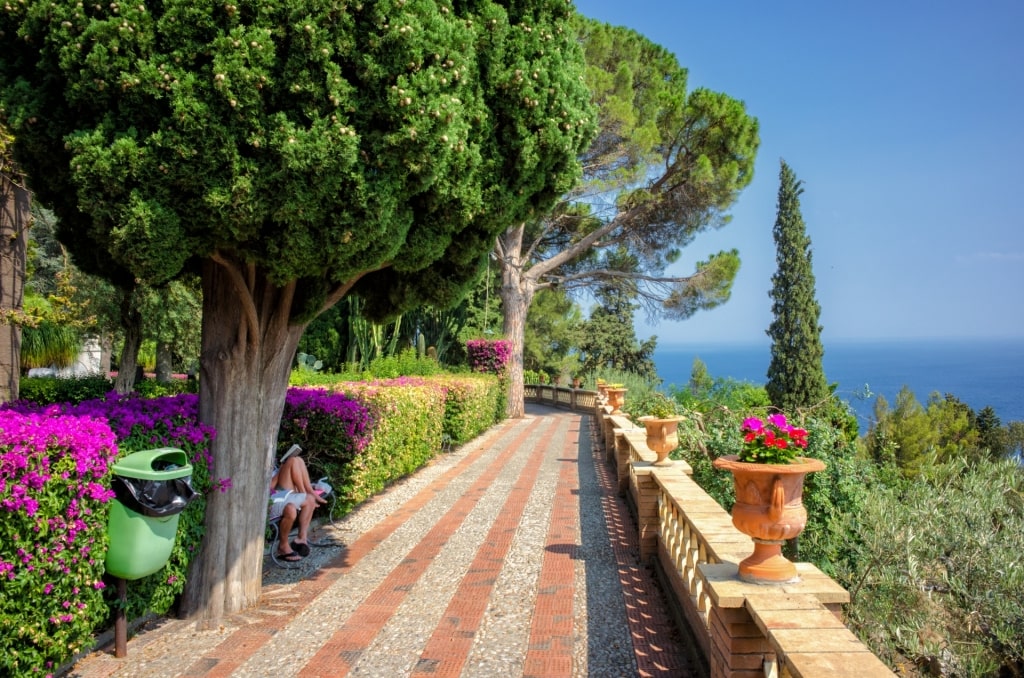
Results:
[739, 629]
[562, 396]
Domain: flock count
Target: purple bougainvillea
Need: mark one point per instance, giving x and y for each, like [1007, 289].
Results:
[487, 355]
[53, 484]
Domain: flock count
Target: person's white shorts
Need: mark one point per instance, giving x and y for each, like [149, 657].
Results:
[281, 498]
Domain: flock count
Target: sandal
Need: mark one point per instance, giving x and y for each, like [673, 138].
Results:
[290, 557]
[301, 549]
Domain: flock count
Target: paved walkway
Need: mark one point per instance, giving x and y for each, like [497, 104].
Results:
[511, 556]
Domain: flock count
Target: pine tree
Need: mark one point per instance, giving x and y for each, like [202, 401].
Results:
[796, 378]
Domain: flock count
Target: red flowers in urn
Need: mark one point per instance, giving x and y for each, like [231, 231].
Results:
[768, 478]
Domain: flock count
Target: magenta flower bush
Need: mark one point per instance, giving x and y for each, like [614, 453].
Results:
[489, 355]
[141, 424]
[54, 480]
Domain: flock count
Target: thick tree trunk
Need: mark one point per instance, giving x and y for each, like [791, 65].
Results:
[15, 206]
[131, 322]
[248, 345]
[516, 293]
[163, 361]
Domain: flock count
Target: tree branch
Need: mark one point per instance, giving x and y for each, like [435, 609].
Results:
[339, 292]
[251, 322]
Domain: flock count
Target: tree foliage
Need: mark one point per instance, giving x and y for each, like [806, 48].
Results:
[608, 339]
[291, 153]
[552, 333]
[796, 378]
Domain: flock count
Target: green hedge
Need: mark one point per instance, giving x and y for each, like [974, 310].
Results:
[473, 403]
[49, 390]
[407, 434]
[413, 419]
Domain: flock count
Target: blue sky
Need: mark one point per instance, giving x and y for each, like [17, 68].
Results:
[904, 120]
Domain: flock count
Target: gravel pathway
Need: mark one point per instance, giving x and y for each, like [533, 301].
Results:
[511, 556]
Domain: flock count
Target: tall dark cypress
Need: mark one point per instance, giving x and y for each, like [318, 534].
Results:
[796, 379]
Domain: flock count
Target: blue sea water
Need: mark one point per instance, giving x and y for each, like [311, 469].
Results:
[981, 373]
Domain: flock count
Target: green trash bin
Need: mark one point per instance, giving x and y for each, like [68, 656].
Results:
[152, 488]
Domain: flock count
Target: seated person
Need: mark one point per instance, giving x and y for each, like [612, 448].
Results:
[293, 497]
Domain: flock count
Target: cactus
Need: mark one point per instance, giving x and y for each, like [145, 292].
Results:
[308, 362]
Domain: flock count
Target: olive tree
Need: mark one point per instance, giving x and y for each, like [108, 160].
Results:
[291, 152]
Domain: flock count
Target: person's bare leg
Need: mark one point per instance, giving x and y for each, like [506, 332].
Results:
[305, 518]
[285, 529]
[296, 477]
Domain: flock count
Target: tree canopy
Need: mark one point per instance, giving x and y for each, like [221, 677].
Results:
[291, 152]
[308, 138]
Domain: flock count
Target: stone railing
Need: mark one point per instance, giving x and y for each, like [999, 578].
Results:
[561, 396]
[740, 630]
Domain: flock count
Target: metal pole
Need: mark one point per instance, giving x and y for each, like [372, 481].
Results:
[121, 620]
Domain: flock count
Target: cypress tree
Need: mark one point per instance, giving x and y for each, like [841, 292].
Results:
[796, 378]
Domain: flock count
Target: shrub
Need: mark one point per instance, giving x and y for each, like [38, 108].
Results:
[54, 480]
[51, 390]
[472, 405]
[936, 575]
[151, 388]
[650, 402]
[489, 355]
[409, 420]
[141, 424]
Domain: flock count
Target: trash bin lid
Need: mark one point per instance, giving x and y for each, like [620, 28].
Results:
[163, 463]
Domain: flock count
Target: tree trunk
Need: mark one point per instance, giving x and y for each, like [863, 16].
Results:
[106, 348]
[248, 345]
[517, 289]
[163, 361]
[15, 206]
[131, 322]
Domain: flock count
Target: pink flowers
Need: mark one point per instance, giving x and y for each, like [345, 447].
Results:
[774, 441]
[490, 356]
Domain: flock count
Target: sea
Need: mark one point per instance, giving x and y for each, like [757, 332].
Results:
[979, 372]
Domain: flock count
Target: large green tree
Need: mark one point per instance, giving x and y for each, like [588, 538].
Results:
[664, 167]
[796, 377]
[292, 152]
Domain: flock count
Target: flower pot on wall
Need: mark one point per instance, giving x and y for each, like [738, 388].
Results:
[662, 436]
[616, 398]
[769, 508]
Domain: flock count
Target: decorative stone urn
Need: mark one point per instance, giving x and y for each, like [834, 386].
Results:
[769, 508]
[662, 436]
[616, 398]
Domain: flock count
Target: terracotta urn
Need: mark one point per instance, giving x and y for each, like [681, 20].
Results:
[662, 436]
[602, 391]
[769, 508]
[616, 398]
